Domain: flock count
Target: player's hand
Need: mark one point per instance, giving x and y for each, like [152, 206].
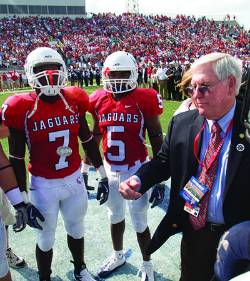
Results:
[33, 216]
[21, 218]
[85, 178]
[130, 187]
[103, 191]
[157, 195]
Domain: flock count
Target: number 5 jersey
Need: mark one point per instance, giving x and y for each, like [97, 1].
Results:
[122, 123]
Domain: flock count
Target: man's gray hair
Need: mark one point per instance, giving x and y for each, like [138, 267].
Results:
[224, 65]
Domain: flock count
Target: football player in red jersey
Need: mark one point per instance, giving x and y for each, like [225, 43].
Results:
[122, 113]
[50, 120]
[9, 186]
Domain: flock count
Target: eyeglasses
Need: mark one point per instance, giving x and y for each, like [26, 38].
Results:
[202, 89]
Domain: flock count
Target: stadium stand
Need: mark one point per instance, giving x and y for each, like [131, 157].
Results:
[148, 38]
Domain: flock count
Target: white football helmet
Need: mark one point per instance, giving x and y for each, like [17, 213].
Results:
[46, 56]
[119, 61]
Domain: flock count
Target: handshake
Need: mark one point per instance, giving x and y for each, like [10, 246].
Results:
[27, 214]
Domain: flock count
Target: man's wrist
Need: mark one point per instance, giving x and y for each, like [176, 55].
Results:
[136, 178]
[20, 205]
[102, 172]
[25, 197]
[84, 168]
[14, 196]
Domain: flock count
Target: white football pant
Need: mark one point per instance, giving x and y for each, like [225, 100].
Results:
[69, 195]
[116, 203]
[3, 246]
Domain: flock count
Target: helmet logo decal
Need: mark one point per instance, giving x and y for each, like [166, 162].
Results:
[50, 73]
[106, 71]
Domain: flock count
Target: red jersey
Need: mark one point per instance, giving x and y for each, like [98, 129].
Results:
[51, 132]
[122, 123]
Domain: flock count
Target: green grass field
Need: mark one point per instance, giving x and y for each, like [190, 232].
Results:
[98, 245]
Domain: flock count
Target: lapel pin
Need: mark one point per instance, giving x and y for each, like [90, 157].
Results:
[241, 135]
[240, 147]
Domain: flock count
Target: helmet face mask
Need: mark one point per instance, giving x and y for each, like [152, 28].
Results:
[120, 73]
[46, 71]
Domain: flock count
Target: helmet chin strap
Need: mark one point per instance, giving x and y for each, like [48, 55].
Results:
[35, 106]
[67, 106]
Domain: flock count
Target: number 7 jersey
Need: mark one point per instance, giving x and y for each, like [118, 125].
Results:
[122, 123]
[51, 132]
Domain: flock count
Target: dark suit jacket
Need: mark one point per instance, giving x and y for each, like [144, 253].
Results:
[176, 160]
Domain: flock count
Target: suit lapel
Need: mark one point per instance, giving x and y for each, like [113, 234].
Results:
[193, 131]
[234, 154]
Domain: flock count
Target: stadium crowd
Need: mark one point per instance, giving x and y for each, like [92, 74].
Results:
[155, 41]
[148, 38]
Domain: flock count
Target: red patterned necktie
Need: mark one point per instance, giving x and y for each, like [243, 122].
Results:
[208, 173]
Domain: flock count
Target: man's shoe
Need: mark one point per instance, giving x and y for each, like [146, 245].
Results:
[83, 275]
[112, 263]
[147, 271]
[13, 260]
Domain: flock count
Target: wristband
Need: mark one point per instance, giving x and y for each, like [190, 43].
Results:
[25, 197]
[102, 172]
[14, 195]
[89, 139]
[15, 157]
[84, 168]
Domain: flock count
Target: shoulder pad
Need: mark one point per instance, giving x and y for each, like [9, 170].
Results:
[149, 101]
[14, 109]
[77, 96]
[95, 98]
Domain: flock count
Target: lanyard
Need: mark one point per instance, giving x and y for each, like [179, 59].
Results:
[218, 148]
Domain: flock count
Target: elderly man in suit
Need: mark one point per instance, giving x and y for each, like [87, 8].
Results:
[208, 158]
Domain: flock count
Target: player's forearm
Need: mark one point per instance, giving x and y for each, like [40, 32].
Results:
[20, 172]
[7, 176]
[156, 143]
[92, 153]
[98, 137]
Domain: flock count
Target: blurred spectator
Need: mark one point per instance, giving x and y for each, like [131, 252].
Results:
[170, 82]
[140, 77]
[98, 76]
[187, 104]
[233, 254]
[154, 80]
[162, 80]
[144, 75]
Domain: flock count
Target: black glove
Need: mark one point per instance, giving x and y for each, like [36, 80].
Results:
[157, 195]
[21, 218]
[103, 191]
[85, 177]
[34, 214]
